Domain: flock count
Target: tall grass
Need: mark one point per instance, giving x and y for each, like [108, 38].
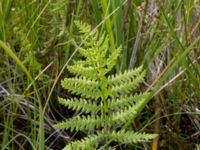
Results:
[36, 46]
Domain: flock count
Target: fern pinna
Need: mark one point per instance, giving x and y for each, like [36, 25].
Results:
[105, 100]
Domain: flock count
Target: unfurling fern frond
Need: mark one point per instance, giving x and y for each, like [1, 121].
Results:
[106, 100]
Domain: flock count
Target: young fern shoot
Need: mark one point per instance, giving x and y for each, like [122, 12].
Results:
[105, 100]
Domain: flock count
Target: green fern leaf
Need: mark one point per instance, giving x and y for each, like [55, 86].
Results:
[123, 115]
[80, 123]
[82, 27]
[88, 143]
[82, 86]
[126, 101]
[82, 105]
[89, 39]
[89, 53]
[130, 137]
[112, 59]
[130, 112]
[114, 106]
[103, 45]
[88, 72]
[127, 76]
[126, 88]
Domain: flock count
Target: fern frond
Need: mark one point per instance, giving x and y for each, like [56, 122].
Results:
[82, 27]
[95, 41]
[103, 45]
[92, 82]
[125, 88]
[88, 143]
[80, 70]
[89, 38]
[86, 63]
[82, 105]
[96, 53]
[112, 59]
[80, 123]
[126, 101]
[130, 137]
[82, 86]
[89, 53]
[124, 77]
[127, 113]
[123, 115]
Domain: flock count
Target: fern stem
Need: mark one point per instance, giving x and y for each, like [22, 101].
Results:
[105, 110]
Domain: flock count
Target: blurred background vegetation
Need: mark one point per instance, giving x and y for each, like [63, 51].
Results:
[37, 45]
